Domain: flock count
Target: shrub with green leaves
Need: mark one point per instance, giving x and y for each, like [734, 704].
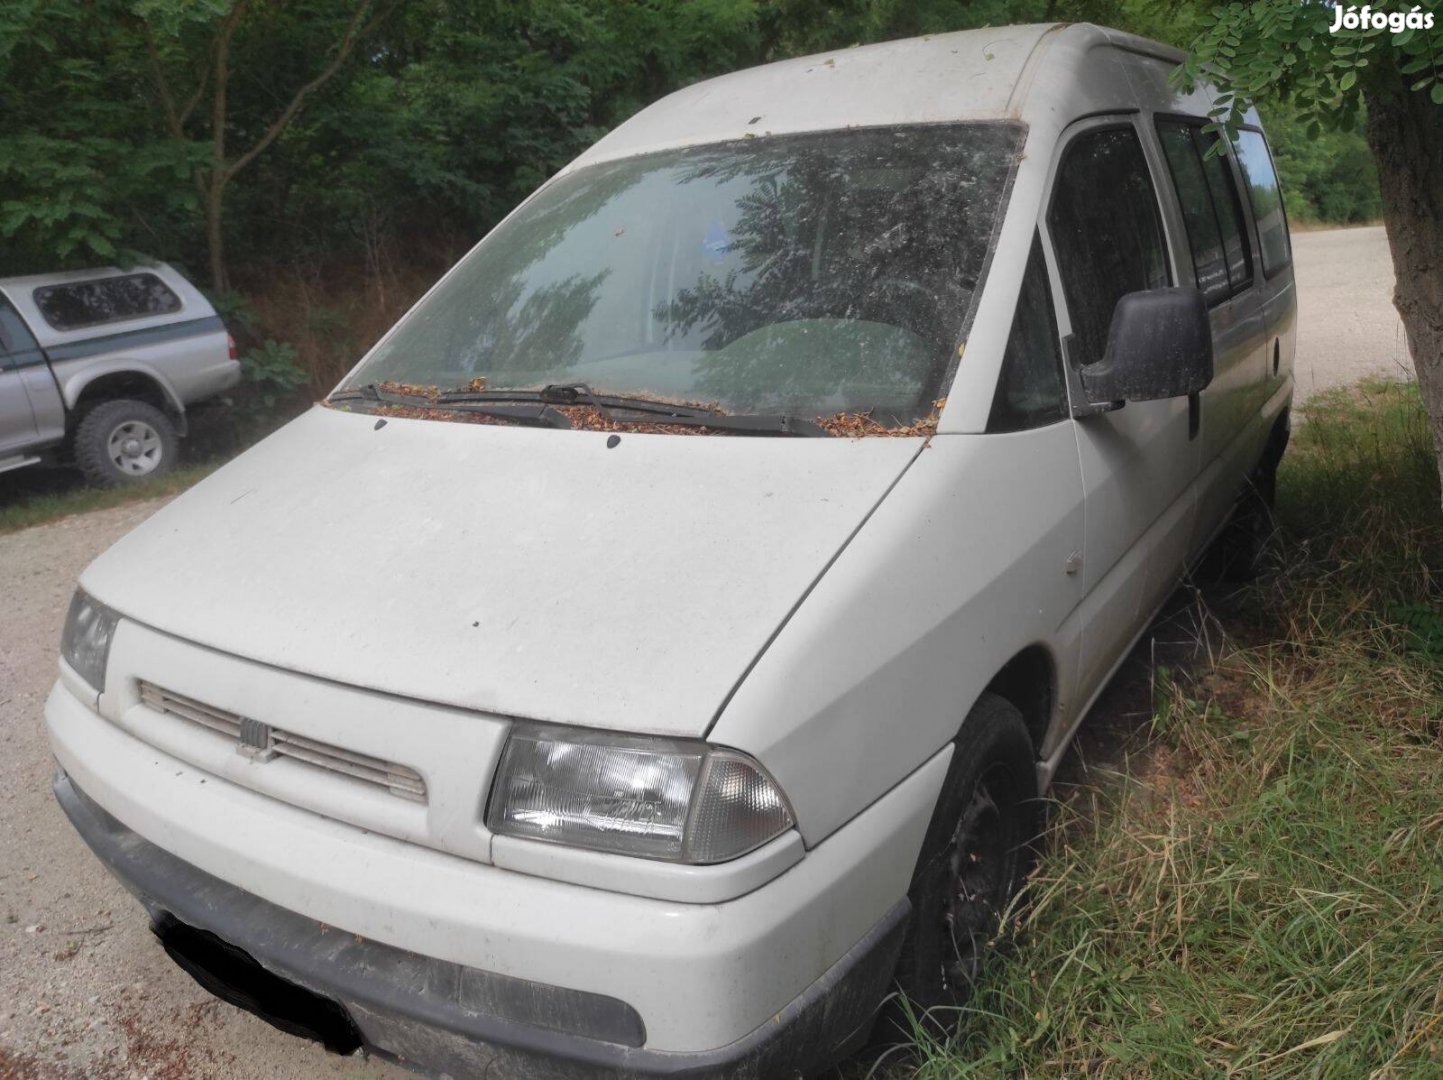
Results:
[270, 380]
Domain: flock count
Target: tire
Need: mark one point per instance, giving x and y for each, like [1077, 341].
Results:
[978, 851]
[124, 442]
[1237, 554]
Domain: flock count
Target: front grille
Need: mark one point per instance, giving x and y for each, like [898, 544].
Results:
[264, 741]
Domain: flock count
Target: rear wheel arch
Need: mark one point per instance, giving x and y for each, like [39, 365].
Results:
[130, 384]
[1278, 439]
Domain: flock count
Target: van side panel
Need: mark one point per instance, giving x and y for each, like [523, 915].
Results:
[966, 563]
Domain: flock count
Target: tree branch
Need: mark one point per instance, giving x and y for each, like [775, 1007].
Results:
[218, 104]
[195, 97]
[354, 32]
[173, 121]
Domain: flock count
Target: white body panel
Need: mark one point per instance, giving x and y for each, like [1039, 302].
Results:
[537, 574]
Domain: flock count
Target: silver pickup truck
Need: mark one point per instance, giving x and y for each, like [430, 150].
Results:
[97, 367]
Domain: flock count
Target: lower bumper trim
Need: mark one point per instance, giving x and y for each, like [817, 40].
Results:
[440, 1016]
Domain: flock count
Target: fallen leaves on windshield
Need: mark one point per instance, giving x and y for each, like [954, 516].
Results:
[590, 418]
[862, 425]
[435, 412]
[413, 390]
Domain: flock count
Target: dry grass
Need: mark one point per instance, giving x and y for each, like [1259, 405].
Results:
[333, 313]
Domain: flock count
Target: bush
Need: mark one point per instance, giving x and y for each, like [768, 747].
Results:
[271, 381]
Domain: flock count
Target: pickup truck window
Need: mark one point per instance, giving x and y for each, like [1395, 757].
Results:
[16, 341]
[1106, 231]
[1030, 389]
[79, 304]
[1267, 199]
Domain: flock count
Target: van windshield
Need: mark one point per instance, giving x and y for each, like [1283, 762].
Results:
[819, 275]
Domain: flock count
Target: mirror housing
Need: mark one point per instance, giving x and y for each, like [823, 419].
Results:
[1160, 345]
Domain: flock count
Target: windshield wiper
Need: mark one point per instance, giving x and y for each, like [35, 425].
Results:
[748, 423]
[575, 394]
[651, 410]
[535, 407]
[539, 415]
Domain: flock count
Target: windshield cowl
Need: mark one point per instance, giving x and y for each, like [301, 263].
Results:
[586, 411]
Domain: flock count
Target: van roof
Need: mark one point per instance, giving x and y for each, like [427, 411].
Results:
[1010, 72]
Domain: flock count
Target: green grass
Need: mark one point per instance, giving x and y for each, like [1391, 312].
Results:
[1262, 893]
[45, 496]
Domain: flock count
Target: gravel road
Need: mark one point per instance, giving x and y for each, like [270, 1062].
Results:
[85, 991]
[1347, 326]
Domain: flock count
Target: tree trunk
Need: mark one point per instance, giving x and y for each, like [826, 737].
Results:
[215, 234]
[1405, 133]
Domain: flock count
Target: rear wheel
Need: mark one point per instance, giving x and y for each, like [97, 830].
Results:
[975, 860]
[1237, 554]
[123, 442]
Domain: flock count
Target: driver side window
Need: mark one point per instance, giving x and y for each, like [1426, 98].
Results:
[1105, 231]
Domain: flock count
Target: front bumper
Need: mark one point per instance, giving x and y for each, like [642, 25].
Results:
[704, 977]
[443, 1017]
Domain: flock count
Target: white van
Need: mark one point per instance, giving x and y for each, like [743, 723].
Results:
[652, 654]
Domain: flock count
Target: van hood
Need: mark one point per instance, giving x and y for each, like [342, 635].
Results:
[516, 571]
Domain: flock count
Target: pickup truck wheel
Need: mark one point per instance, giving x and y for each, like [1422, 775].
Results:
[122, 442]
[974, 863]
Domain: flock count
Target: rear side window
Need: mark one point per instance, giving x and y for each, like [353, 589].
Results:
[1267, 199]
[1211, 210]
[1106, 231]
[1030, 391]
[1229, 210]
[112, 299]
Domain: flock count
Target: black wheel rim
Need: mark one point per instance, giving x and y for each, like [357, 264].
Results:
[980, 868]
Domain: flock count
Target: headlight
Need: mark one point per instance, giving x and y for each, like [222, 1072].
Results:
[656, 798]
[85, 644]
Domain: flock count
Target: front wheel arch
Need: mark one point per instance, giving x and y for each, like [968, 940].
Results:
[992, 753]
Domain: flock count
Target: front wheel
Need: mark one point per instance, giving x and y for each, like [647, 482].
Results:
[125, 441]
[975, 860]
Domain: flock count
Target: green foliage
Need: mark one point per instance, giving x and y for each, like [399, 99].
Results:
[454, 110]
[270, 377]
[79, 185]
[1286, 50]
[270, 392]
[1424, 624]
[1330, 179]
[236, 312]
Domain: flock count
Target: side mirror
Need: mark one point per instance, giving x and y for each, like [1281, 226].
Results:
[1160, 346]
